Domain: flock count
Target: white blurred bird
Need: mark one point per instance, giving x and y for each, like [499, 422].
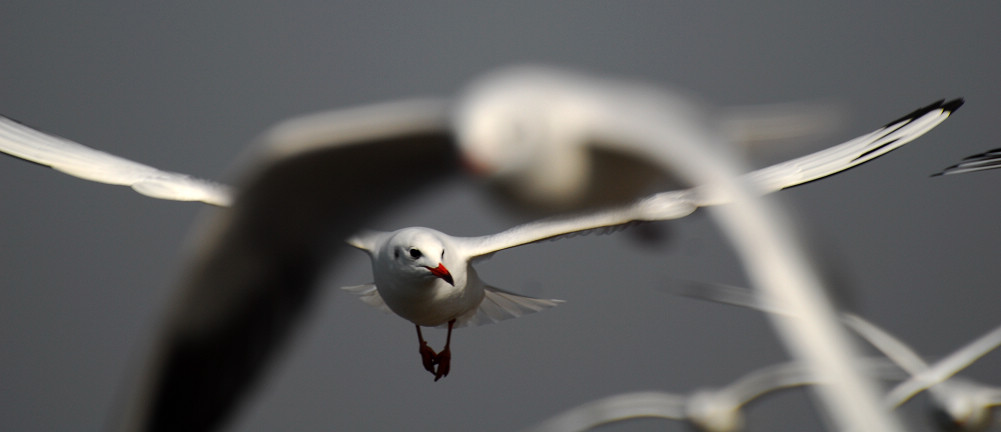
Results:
[960, 404]
[707, 409]
[551, 140]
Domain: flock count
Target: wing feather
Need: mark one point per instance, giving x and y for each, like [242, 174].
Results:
[369, 295]
[499, 305]
[19, 140]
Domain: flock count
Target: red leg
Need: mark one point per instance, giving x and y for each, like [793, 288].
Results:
[444, 358]
[428, 357]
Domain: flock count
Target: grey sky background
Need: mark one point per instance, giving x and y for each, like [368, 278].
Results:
[85, 269]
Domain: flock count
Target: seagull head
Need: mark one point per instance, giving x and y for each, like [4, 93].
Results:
[961, 405]
[421, 253]
[524, 128]
[510, 121]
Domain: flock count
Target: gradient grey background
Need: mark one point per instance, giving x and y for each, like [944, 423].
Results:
[85, 269]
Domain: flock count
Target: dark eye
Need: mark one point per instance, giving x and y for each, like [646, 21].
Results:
[415, 253]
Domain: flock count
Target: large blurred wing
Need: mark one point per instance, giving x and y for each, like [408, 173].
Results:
[19, 140]
[677, 204]
[990, 159]
[257, 264]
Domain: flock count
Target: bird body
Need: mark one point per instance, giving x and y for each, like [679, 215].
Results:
[427, 277]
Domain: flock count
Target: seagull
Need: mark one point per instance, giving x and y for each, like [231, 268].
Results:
[961, 404]
[260, 256]
[544, 138]
[990, 159]
[706, 409]
[427, 277]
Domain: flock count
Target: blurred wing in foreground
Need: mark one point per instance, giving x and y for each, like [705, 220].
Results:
[257, 263]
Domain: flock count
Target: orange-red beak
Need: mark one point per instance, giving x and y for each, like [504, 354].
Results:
[442, 272]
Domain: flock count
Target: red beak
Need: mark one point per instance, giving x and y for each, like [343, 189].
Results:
[442, 272]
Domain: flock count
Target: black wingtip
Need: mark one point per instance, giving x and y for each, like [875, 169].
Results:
[954, 104]
[941, 104]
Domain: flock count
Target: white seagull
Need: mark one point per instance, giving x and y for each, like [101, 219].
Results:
[427, 276]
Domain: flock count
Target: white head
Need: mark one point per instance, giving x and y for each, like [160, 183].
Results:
[415, 254]
[962, 405]
[525, 124]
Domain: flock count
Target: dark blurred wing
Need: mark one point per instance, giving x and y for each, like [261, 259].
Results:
[978, 162]
[257, 264]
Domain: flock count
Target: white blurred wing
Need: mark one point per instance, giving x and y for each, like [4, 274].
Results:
[979, 162]
[677, 204]
[945, 368]
[499, 305]
[77, 160]
[616, 408]
[368, 294]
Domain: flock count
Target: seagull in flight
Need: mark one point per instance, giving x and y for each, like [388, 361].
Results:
[960, 404]
[707, 409]
[448, 292]
[548, 140]
[427, 277]
[278, 218]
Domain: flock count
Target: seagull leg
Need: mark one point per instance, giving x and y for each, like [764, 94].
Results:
[444, 358]
[428, 357]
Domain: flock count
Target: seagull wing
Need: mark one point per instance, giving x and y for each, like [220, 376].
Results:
[677, 204]
[312, 182]
[499, 305]
[616, 408]
[984, 161]
[19, 140]
[854, 152]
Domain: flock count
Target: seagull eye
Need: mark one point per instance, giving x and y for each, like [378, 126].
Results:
[415, 253]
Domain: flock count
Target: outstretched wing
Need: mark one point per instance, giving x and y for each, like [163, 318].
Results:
[259, 262]
[990, 159]
[677, 204]
[19, 140]
[369, 295]
[854, 152]
[499, 305]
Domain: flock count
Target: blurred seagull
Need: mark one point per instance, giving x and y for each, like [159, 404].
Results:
[550, 140]
[257, 263]
[710, 410]
[961, 404]
[990, 159]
